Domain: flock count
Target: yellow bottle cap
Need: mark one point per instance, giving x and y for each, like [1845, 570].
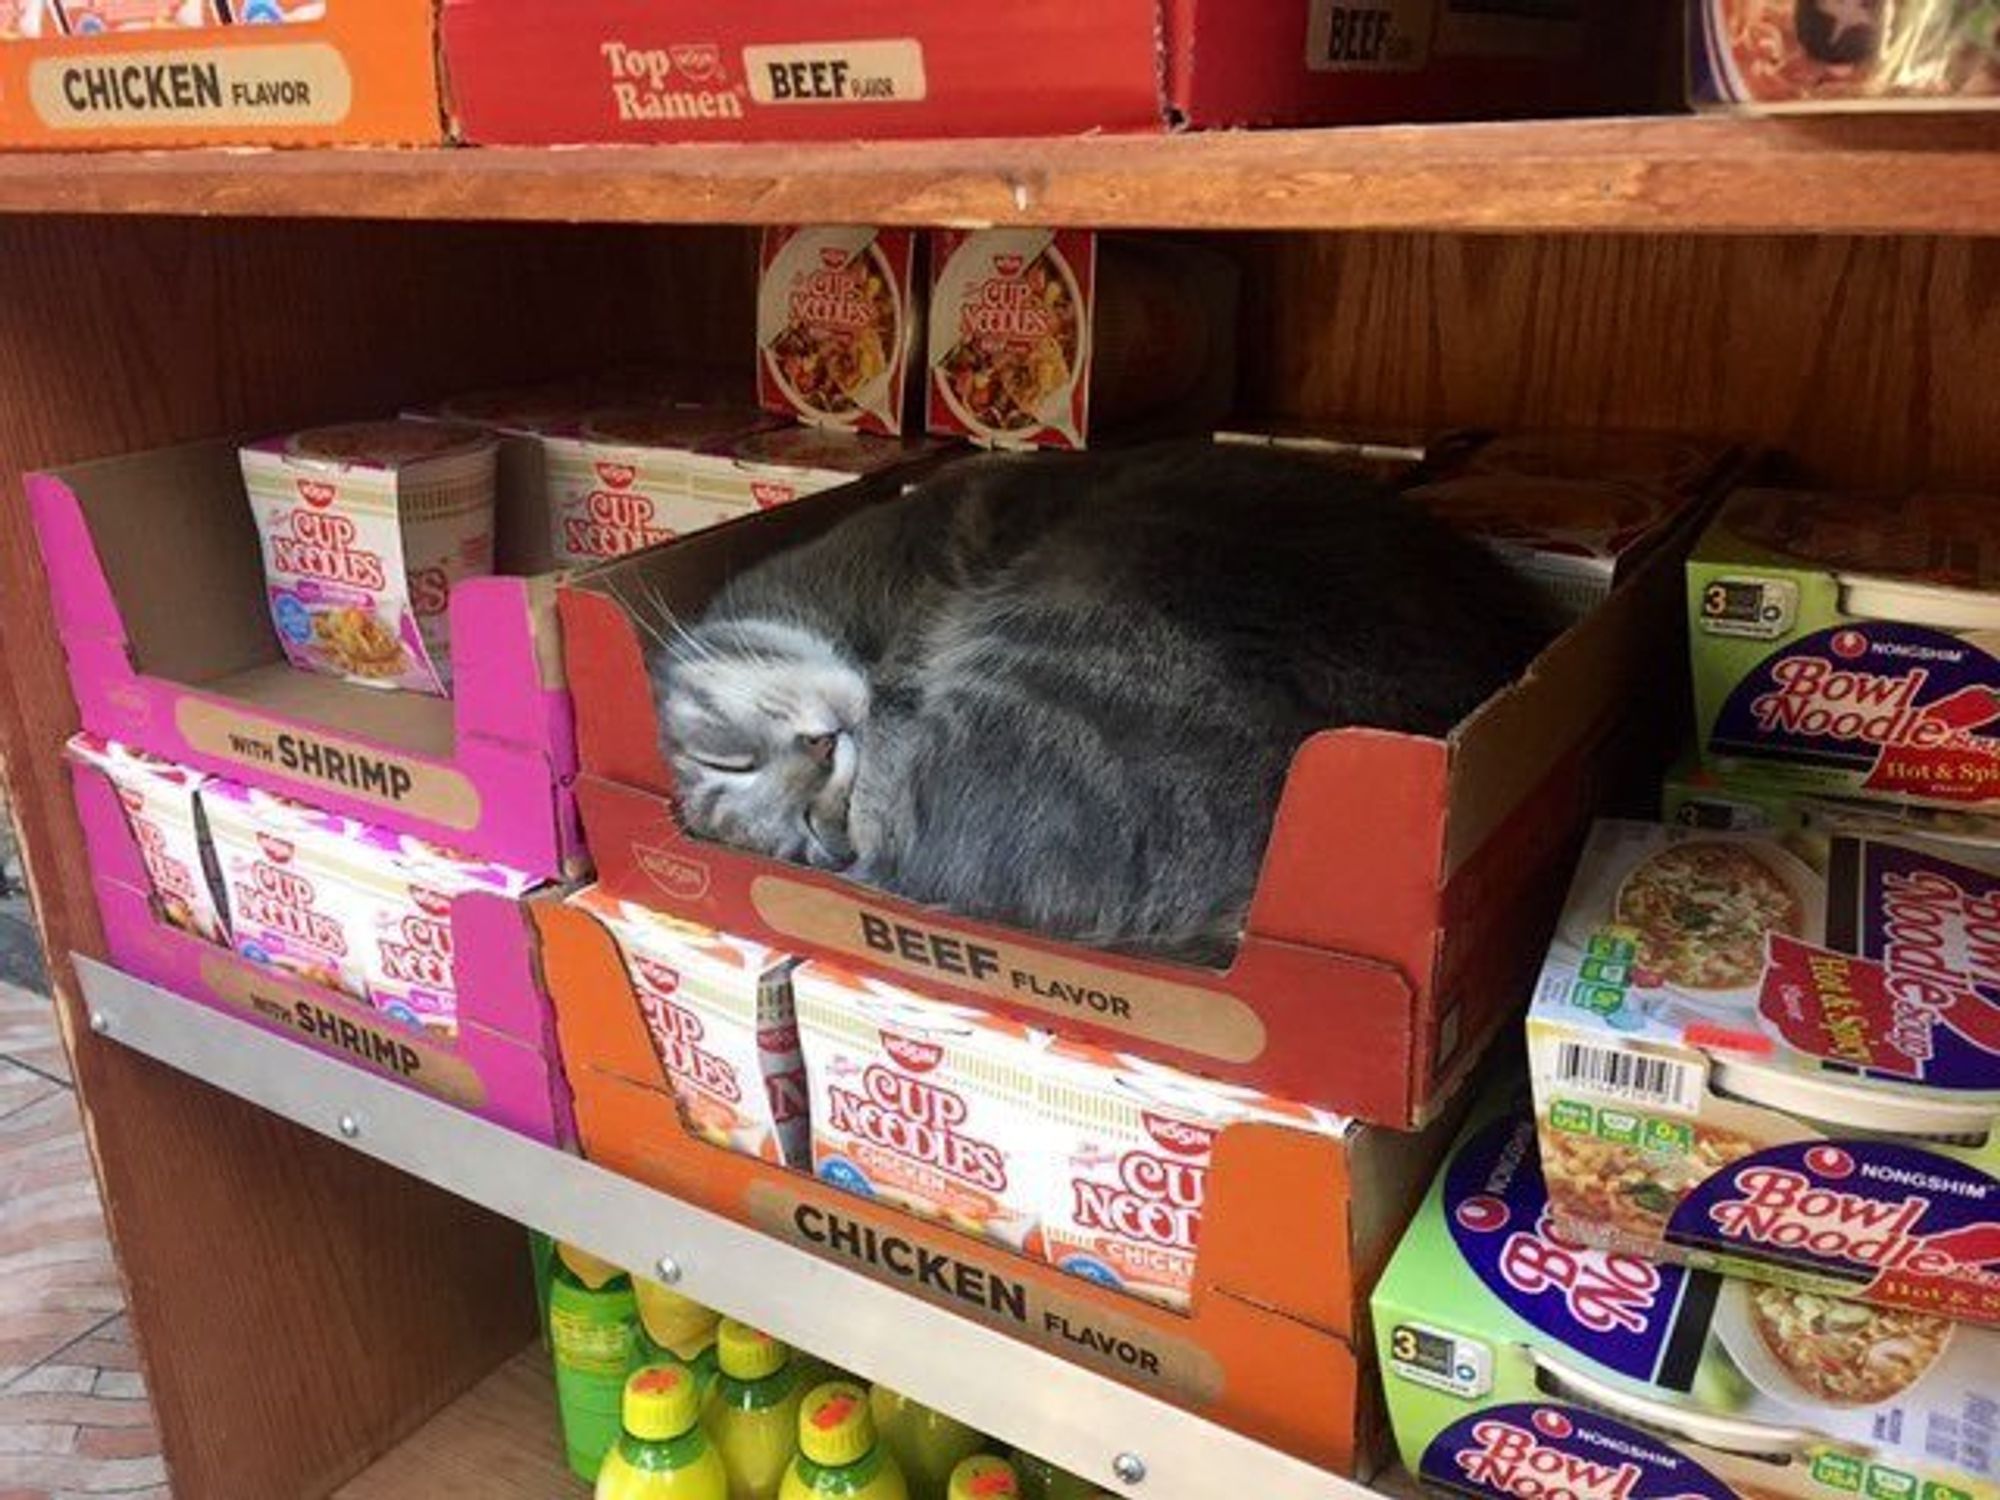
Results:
[587, 1268]
[983, 1477]
[673, 1321]
[835, 1428]
[661, 1402]
[746, 1353]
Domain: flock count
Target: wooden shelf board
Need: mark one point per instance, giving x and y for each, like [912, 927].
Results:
[499, 1441]
[1863, 174]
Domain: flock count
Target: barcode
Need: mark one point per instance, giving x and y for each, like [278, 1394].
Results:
[1630, 1076]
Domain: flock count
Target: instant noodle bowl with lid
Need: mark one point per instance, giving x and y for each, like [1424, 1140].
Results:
[838, 313]
[366, 529]
[1781, 1055]
[1511, 1347]
[1828, 55]
[777, 465]
[1851, 643]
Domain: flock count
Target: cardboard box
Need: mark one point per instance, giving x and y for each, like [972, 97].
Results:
[1519, 1363]
[1274, 1342]
[1785, 1066]
[1406, 897]
[840, 326]
[522, 72]
[362, 74]
[159, 597]
[1763, 57]
[502, 1064]
[1846, 643]
[1044, 337]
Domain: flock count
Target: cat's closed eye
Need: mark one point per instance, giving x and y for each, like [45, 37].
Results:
[727, 765]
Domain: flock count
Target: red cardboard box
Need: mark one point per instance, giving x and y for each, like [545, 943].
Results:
[525, 72]
[1407, 894]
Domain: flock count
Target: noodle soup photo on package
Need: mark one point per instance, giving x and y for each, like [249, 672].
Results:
[366, 529]
[718, 1010]
[838, 314]
[931, 1107]
[1851, 644]
[1780, 1054]
[1828, 55]
[161, 805]
[1131, 1147]
[1513, 1353]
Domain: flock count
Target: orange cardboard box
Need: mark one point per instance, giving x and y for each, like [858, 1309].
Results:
[1275, 1341]
[364, 75]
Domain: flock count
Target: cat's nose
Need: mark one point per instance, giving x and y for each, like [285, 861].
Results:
[819, 746]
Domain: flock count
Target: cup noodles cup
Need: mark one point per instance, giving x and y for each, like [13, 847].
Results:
[1039, 336]
[160, 802]
[24, 19]
[345, 904]
[271, 12]
[1851, 643]
[87, 17]
[1781, 1056]
[1520, 1364]
[719, 1011]
[927, 1106]
[366, 530]
[1822, 55]
[626, 484]
[1130, 1149]
[778, 465]
[838, 313]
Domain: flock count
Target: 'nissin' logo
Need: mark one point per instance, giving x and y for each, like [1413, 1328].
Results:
[1181, 1137]
[918, 1057]
[318, 493]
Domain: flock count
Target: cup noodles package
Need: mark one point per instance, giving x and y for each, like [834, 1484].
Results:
[85, 17]
[269, 12]
[719, 1011]
[23, 19]
[778, 465]
[1130, 1145]
[1521, 1364]
[161, 805]
[927, 1106]
[1040, 336]
[1573, 512]
[1818, 55]
[626, 483]
[838, 315]
[366, 530]
[1851, 643]
[1780, 1056]
[344, 904]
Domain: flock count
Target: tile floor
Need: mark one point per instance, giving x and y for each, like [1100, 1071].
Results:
[74, 1421]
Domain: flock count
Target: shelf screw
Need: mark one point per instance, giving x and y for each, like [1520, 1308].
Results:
[667, 1271]
[100, 1023]
[1130, 1468]
[350, 1127]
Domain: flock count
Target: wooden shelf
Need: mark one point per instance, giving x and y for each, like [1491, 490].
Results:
[499, 1441]
[1868, 174]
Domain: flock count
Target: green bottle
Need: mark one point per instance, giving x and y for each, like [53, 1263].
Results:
[927, 1444]
[1042, 1480]
[594, 1331]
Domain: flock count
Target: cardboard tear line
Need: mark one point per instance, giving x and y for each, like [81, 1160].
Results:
[341, 1030]
[328, 763]
[922, 1261]
[1159, 1011]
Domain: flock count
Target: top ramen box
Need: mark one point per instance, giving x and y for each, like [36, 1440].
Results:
[1042, 337]
[524, 72]
[1781, 1056]
[1521, 1364]
[1798, 56]
[719, 1012]
[148, 73]
[839, 319]
[932, 1107]
[1851, 643]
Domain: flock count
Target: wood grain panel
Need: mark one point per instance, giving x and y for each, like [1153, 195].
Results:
[1861, 174]
[298, 1307]
[1871, 360]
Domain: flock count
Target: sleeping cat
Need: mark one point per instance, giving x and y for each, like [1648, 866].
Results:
[1060, 692]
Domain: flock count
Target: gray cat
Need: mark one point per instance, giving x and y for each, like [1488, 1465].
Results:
[1061, 692]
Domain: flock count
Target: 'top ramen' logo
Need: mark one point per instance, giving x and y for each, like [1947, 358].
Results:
[686, 81]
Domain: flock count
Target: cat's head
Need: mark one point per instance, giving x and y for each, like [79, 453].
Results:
[761, 721]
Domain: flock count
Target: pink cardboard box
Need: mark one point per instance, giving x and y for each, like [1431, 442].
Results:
[158, 588]
[502, 1065]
